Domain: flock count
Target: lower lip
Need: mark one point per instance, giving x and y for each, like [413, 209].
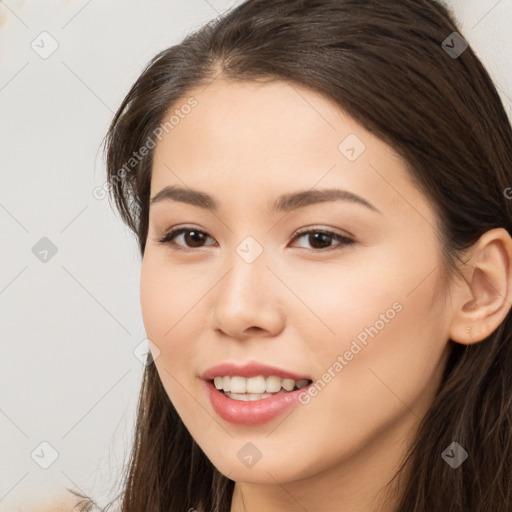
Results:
[255, 412]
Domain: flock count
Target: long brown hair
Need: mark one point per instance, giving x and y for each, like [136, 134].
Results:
[386, 65]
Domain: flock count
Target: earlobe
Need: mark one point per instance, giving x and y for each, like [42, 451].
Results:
[484, 300]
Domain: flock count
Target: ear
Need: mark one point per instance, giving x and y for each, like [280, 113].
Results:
[484, 300]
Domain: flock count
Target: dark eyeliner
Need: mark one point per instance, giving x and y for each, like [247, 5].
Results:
[342, 239]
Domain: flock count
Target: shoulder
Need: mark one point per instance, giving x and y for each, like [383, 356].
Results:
[58, 503]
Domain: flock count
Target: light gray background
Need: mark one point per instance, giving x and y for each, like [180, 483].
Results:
[68, 373]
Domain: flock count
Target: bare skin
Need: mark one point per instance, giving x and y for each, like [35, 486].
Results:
[299, 306]
[59, 503]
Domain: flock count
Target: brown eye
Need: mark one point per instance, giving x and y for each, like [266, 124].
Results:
[190, 238]
[194, 238]
[320, 240]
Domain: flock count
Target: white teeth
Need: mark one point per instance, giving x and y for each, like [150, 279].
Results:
[238, 385]
[260, 386]
[248, 397]
[272, 384]
[288, 384]
[218, 381]
[256, 385]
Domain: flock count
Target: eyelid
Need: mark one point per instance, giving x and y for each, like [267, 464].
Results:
[343, 240]
[324, 229]
[176, 231]
[173, 232]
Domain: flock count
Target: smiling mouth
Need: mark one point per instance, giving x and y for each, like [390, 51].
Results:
[256, 388]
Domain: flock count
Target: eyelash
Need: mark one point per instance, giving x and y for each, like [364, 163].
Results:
[343, 240]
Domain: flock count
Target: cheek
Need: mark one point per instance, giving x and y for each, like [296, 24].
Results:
[384, 320]
[162, 307]
[154, 300]
[173, 310]
[166, 296]
[337, 300]
[166, 301]
[397, 368]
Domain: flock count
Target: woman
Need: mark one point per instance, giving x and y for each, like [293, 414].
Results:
[319, 194]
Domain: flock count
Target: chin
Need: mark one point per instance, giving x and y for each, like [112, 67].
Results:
[265, 471]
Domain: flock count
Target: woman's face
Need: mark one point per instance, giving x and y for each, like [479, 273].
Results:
[360, 317]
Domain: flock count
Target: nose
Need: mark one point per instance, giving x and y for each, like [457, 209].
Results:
[248, 300]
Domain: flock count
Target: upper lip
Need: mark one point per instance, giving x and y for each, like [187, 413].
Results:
[252, 369]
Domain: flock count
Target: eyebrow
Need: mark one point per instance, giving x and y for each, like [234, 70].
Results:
[284, 203]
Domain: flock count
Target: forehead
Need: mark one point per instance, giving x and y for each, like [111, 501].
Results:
[272, 138]
[249, 121]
